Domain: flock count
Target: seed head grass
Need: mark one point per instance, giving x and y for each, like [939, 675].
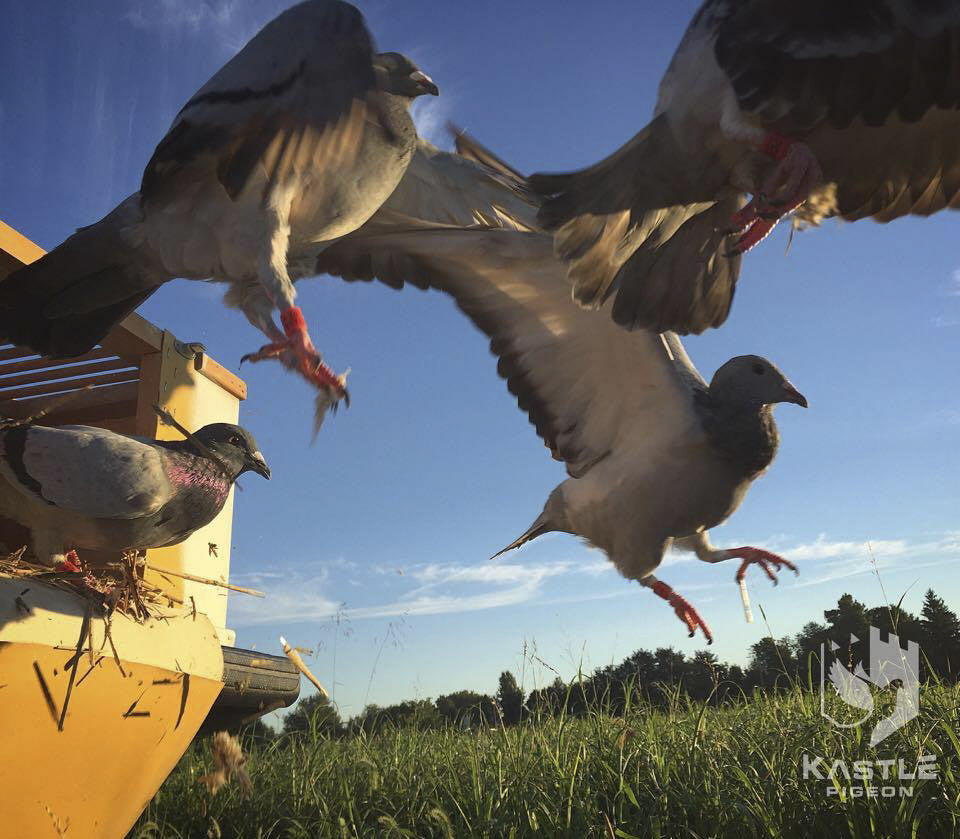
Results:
[677, 768]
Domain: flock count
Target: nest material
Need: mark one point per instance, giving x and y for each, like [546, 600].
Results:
[115, 587]
[228, 761]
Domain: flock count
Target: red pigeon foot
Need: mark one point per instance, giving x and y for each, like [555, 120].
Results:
[681, 607]
[71, 562]
[787, 187]
[308, 361]
[764, 559]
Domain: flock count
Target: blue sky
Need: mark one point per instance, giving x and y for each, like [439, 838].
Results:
[388, 519]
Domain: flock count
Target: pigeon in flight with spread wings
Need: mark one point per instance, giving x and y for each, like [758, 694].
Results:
[296, 141]
[826, 109]
[655, 455]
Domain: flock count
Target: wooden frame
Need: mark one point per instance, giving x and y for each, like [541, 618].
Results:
[137, 366]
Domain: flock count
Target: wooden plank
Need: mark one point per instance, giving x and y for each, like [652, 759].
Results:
[58, 366]
[103, 400]
[18, 246]
[132, 337]
[9, 353]
[148, 392]
[220, 375]
[61, 373]
[73, 384]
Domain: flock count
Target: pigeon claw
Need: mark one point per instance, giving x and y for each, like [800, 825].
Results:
[769, 562]
[70, 562]
[683, 610]
[796, 175]
[297, 352]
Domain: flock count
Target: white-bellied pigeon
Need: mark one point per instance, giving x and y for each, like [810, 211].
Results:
[655, 455]
[296, 141]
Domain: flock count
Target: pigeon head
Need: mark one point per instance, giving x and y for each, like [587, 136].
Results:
[235, 447]
[754, 380]
[398, 74]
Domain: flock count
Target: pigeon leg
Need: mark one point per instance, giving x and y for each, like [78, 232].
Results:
[797, 173]
[769, 562]
[295, 341]
[681, 607]
[277, 287]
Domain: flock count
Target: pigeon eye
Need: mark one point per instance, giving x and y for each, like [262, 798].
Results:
[234, 440]
[758, 369]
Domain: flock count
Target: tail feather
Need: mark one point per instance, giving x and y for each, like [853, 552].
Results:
[63, 304]
[686, 284]
[637, 224]
[538, 528]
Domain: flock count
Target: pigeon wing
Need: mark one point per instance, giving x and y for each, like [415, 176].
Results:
[454, 189]
[295, 99]
[589, 387]
[88, 471]
[873, 85]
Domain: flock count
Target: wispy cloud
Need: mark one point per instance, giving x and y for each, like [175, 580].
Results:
[954, 290]
[825, 560]
[951, 318]
[307, 594]
[431, 115]
[185, 14]
[227, 22]
[431, 589]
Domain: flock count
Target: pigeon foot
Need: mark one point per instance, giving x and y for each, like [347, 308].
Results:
[70, 562]
[764, 559]
[307, 361]
[681, 607]
[788, 186]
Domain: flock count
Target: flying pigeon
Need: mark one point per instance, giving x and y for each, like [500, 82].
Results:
[296, 141]
[655, 456]
[819, 108]
[78, 487]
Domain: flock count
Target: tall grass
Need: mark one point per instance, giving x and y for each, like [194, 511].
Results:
[681, 770]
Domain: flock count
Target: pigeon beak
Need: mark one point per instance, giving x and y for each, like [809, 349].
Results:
[256, 463]
[425, 83]
[791, 394]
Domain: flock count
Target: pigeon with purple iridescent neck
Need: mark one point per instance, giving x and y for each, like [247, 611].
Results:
[79, 487]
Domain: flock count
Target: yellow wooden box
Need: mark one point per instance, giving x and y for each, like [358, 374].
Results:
[128, 721]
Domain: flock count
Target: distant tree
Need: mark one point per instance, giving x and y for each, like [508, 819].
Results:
[670, 665]
[466, 708]
[313, 713]
[510, 698]
[258, 732]
[899, 622]
[807, 646]
[849, 618]
[940, 637]
[704, 672]
[550, 699]
[772, 663]
[413, 713]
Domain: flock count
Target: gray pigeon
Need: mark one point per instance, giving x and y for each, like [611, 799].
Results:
[296, 141]
[655, 456]
[831, 109]
[78, 487]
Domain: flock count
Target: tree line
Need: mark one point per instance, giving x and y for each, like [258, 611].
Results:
[658, 676]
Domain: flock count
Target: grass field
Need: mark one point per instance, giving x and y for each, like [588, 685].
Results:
[686, 770]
